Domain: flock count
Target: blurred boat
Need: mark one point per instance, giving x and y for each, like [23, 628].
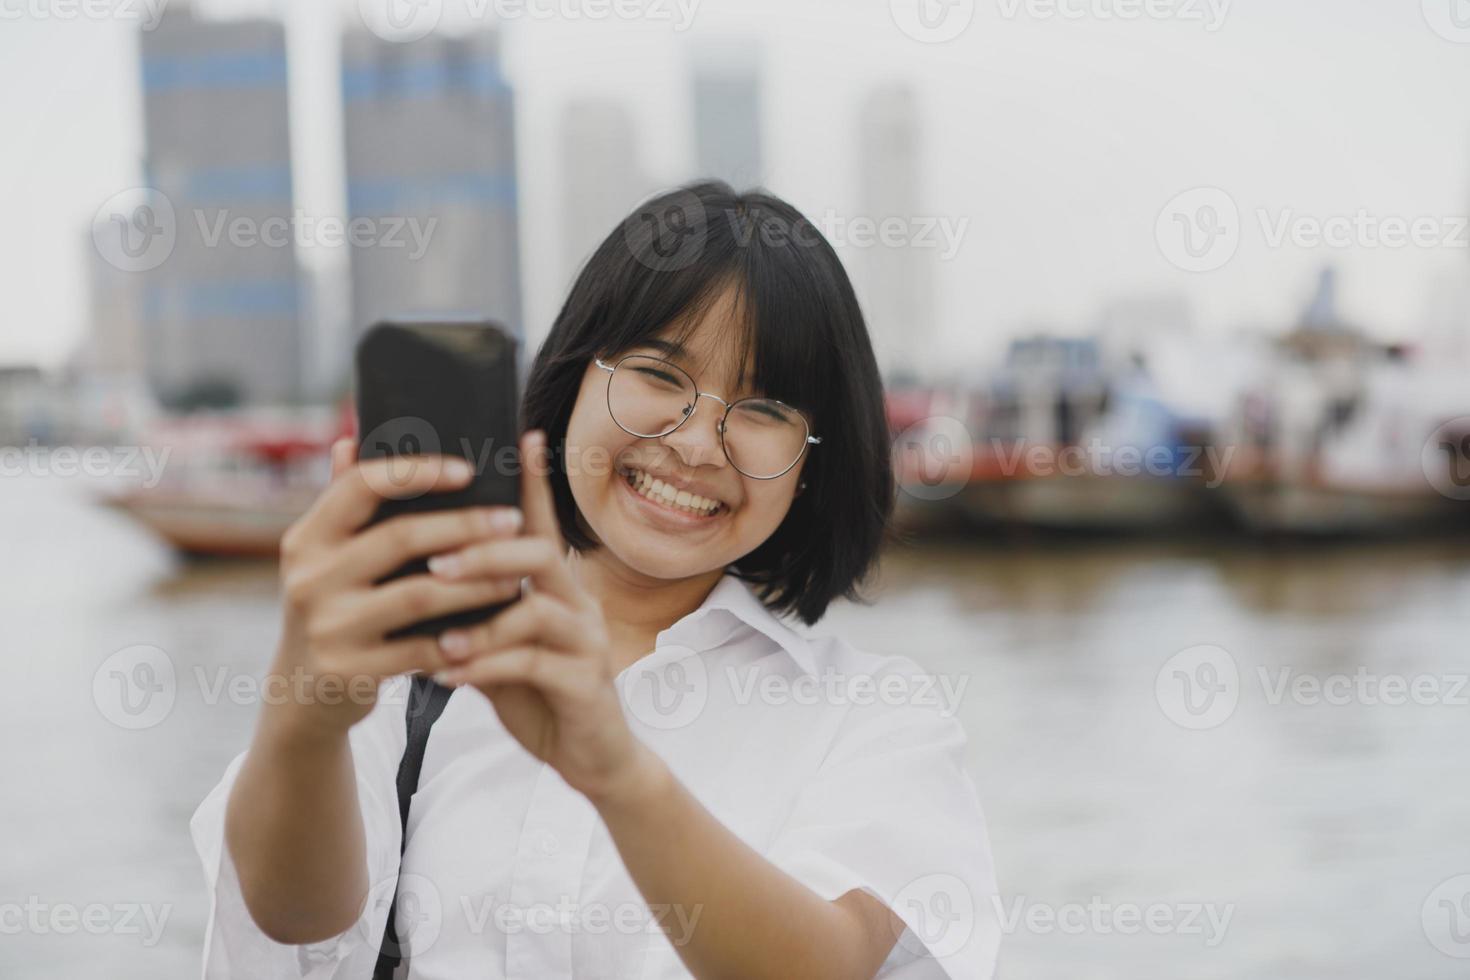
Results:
[232, 483]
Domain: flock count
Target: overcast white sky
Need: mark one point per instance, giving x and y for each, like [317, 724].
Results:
[1059, 139]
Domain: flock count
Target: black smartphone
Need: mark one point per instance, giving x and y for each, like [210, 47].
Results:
[441, 387]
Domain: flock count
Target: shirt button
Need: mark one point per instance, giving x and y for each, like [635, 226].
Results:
[548, 843]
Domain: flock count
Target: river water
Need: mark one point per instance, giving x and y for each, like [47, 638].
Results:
[1198, 759]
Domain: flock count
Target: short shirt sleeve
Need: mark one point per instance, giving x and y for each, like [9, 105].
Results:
[892, 810]
[234, 946]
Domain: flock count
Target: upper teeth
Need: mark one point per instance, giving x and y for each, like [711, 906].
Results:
[669, 495]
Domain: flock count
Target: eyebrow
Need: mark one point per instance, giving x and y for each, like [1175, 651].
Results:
[676, 350]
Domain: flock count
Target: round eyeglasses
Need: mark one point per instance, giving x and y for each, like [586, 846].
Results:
[650, 397]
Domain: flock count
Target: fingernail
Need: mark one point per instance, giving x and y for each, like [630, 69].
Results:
[446, 678]
[502, 520]
[454, 643]
[446, 565]
[458, 469]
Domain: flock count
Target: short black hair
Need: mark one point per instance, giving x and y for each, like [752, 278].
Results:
[809, 347]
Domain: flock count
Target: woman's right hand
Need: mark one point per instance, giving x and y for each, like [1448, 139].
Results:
[333, 652]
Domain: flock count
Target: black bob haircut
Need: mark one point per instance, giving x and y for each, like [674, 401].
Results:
[806, 344]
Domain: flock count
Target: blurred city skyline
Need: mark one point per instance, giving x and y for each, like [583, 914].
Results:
[1046, 141]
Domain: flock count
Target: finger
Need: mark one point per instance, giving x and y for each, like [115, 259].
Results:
[412, 599]
[394, 657]
[545, 670]
[371, 554]
[537, 620]
[536, 499]
[352, 498]
[519, 557]
[344, 450]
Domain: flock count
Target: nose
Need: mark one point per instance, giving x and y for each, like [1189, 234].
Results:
[697, 441]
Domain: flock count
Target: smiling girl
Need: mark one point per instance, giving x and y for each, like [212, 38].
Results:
[642, 771]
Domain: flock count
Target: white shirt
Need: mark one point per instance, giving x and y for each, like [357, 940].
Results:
[508, 872]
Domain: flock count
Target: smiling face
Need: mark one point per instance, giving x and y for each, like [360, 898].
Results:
[626, 506]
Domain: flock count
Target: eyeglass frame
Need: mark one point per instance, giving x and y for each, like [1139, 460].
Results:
[810, 439]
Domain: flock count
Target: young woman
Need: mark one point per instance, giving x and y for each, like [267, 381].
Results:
[642, 770]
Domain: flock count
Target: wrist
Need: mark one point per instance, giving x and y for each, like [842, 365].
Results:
[642, 781]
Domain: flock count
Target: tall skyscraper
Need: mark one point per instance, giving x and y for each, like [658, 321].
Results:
[602, 180]
[221, 312]
[431, 181]
[727, 117]
[895, 281]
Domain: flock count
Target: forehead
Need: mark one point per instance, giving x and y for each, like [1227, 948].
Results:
[711, 343]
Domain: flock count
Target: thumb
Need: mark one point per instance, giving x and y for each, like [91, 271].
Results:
[344, 454]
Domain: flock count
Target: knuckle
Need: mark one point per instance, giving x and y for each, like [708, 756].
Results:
[298, 588]
[418, 598]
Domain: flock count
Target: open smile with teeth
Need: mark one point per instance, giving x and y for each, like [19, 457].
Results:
[667, 495]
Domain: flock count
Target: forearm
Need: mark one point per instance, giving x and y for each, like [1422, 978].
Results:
[731, 912]
[294, 829]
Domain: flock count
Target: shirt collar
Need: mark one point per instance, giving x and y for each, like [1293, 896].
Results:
[737, 598]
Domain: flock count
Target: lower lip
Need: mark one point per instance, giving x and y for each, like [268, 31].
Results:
[667, 516]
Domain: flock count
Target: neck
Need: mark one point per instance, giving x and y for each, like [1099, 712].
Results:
[637, 607]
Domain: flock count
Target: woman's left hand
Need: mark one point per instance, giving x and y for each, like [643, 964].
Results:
[544, 662]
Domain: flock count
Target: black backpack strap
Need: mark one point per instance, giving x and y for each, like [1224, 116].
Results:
[426, 701]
